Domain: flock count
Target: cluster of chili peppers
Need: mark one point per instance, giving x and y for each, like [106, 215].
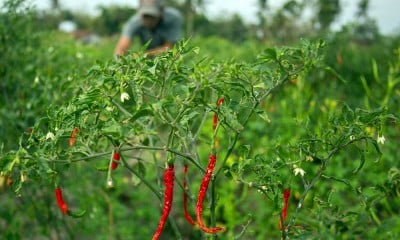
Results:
[200, 199]
[169, 177]
[202, 193]
[168, 192]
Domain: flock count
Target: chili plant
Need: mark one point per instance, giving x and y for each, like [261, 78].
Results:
[160, 108]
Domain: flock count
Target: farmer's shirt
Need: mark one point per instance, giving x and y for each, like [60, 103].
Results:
[169, 29]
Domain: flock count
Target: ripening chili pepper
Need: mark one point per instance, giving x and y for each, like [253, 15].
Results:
[169, 176]
[72, 139]
[9, 181]
[202, 194]
[185, 196]
[214, 121]
[60, 201]
[116, 158]
[215, 116]
[286, 196]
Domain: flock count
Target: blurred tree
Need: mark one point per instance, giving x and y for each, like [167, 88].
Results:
[190, 7]
[363, 6]
[262, 13]
[326, 13]
[190, 10]
[232, 28]
[111, 19]
[366, 29]
[55, 4]
[285, 22]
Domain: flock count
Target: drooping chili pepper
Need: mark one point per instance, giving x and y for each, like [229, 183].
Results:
[286, 196]
[215, 116]
[116, 158]
[202, 193]
[72, 139]
[169, 176]
[185, 196]
[60, 201]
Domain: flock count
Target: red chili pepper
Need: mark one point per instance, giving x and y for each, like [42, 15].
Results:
[169, 176]
[286, 196]
[116, 158]
[185, 197]
[202, 194]
[60, 201]
[215, 116]
[72, 139]
[220, 101]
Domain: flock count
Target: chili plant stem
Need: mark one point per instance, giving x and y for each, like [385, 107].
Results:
[142, 179]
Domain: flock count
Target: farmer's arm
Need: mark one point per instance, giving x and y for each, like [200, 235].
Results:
[158, 50]
[129, 30]
[122, 46]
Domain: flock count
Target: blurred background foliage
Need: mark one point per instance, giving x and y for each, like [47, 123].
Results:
[41, 66]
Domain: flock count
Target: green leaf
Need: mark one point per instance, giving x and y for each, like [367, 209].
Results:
[244, 151]
[102, 168]
[152, 69]
[270, 53]
[345, 181]
[186, 118]
[231, 119]
[362, 162]
[263, 115]
[76, 214]
[142, 113]
[377, 148]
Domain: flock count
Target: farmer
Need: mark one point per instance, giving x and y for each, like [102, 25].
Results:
[160, 26]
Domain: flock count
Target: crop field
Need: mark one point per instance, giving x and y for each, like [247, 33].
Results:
[249, 140]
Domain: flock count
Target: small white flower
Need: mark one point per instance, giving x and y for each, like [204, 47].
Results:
[124, 96]
[50, 136]
[298, 171]
[110, 183]
[109, 109]
[352, 137]
[381, 139]
[36, 80]
[299, 205]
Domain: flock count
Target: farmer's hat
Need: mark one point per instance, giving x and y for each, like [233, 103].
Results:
[151, 7]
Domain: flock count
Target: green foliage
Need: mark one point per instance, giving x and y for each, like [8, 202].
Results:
[291, 119]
